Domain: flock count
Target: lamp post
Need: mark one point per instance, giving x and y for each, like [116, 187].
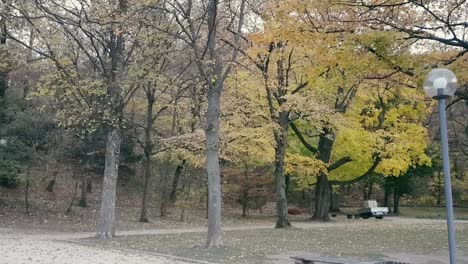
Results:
[441, 84]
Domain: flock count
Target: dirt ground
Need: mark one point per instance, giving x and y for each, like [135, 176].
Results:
[405, 239]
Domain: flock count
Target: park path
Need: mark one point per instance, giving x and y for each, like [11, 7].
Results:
[20, 246]
[24, 246]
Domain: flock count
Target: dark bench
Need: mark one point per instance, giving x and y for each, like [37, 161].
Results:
[314, 260]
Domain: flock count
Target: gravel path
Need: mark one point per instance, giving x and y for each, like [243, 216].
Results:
[21, 248]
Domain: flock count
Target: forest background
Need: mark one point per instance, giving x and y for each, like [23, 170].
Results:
[179, 107]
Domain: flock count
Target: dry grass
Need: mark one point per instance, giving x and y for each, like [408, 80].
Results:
[357, 240]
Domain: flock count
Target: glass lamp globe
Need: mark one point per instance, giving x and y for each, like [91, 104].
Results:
[440, 83]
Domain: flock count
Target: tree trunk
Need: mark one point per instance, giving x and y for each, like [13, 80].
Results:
[50, 186]
[322, 199]
[334, 201]
[89, 185]
[322, 188]
[244, 203]
[387, 193]
[396, 200]
[3, 75]
[72, 200]
[439, 188]
[106, 225]
[281, 138]
[26, 189]
[82, 202]
[146, 190]
[213, 171]
[369, 190]
[175, 181]
[148, 148]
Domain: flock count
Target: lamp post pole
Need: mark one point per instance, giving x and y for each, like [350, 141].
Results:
[447, 180]
[441, 84]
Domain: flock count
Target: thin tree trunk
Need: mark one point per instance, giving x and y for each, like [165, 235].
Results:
[82, 202]
[73, 199]
[148, 148]
[146, 190]
[26, 189]
[89, 185]
[387, 193]
[214, 177]
[175, 181]
[244, 202]
[369, 190]
[3, 75]
[396, 200]
[334, 201]
[439, 188]
[106, 228]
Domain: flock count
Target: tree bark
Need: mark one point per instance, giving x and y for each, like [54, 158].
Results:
[175, 181]
[281, 138]
[3, 75]
[369, 190]
[213, 171]
[396, 200]
[82, 202]
[106, 228]
[439, 187]
[387, 193]
[26, 189]
[244, 202]
[322, 199]
[322, 188]
[89, 185]
[146, 190]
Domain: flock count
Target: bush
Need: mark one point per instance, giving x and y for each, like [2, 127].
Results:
[426, 200]
[13, 156]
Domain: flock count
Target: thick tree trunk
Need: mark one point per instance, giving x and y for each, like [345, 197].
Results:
[106, 225]
[281, 138]
[322, 199]
[322, 188]
[175, 181]
[213, 171]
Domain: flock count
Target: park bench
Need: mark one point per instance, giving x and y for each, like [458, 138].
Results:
[314, 260]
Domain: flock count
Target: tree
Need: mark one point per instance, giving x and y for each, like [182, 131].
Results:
[91, 46]
[337, 78]
[30, 131]
[202, 28]
[425, 22]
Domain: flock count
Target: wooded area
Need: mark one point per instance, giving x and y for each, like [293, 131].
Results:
[224, 105]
